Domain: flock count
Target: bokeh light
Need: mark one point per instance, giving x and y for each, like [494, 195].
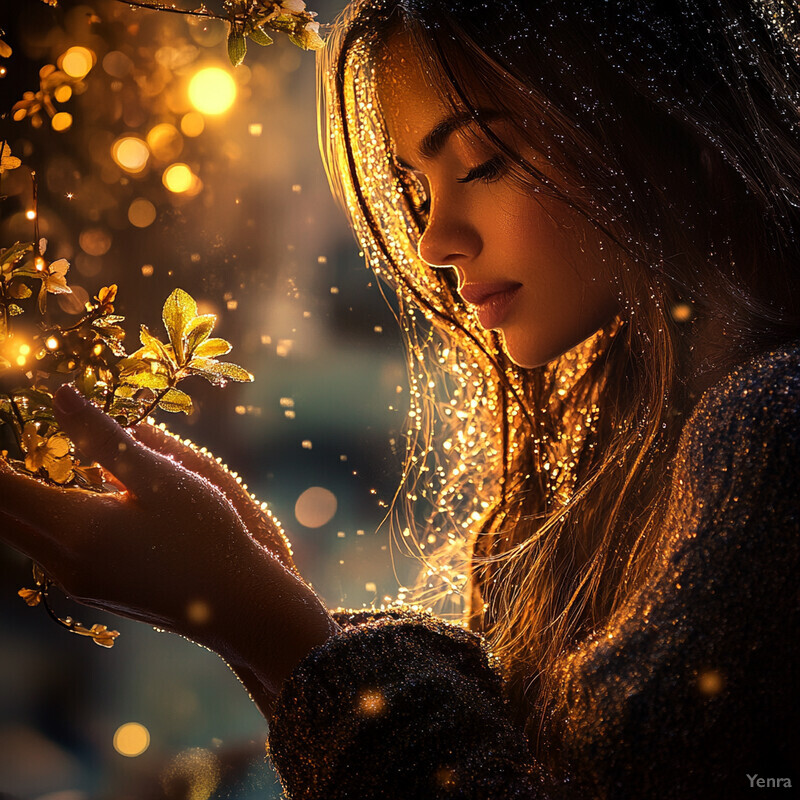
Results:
[131, 739]
[165, 141]
[61, 121]
[192, 124]
[63, 93]
[178, 178]
[141, 213]
[315, 507]
[212, 90]
[77, 61]
[130, 153]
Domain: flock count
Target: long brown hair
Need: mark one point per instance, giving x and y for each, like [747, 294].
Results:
[675, 126]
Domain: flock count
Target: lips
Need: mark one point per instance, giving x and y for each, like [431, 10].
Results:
[492, 300]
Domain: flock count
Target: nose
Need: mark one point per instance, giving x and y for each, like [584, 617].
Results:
[450, 239]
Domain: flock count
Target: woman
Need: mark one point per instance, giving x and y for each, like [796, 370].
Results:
[590, 216]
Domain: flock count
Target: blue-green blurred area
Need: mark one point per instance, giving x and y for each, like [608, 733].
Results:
[263, 245]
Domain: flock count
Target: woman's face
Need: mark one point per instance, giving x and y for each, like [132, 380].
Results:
[532, 268]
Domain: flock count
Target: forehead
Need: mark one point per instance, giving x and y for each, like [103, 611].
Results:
[409, 102]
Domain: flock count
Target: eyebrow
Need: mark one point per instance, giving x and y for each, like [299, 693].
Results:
[434, 141]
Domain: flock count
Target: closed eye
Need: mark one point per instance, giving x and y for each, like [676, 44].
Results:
[487, 172]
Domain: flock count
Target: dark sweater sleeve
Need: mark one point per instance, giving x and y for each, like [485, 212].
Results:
[400, 705]
[691, 687]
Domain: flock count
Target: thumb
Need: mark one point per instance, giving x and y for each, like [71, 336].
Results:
[103, 440]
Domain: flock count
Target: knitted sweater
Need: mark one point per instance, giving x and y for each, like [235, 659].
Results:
[690, 690]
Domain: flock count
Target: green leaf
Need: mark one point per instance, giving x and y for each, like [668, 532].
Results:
[179, 310]
[237, 47]
[260, 36]
[175, 401]
[198, 330]
[211, 348]
[19, 291]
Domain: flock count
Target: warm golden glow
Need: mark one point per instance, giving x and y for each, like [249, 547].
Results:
[63, 93]
[192, 124]
[212, 90]
[30, 214]
[61, 121]
[77, 61]
[51, 343]
[178, 178]
[131, 739]
[165, 141]
[141, 213]
[130, 153]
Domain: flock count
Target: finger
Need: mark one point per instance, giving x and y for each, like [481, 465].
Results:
[26, 540]
[39, 519]
[101, 439]
[259, 521]
[196, 460]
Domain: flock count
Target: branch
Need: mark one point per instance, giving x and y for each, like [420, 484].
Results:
[205, 13]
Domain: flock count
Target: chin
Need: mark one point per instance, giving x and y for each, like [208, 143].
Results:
[537, 351]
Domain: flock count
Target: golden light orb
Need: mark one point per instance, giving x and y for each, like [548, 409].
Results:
[178, 178]
[192, 124]
[63, 93]
[212, 90]
[61, 121]
[39, 262]
[165, 141]
[130, 153]
[24, 349]
[51, 343]
[141, 213]
[131, 739]
[77, 61]
[30, 214]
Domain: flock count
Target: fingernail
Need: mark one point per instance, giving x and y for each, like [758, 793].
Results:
[68, 400]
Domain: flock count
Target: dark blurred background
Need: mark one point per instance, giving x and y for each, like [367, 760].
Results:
[148, 185]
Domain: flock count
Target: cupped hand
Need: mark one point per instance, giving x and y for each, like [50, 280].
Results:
[171, 550]
[258, 520]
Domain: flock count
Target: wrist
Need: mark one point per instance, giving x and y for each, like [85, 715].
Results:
[266, 622]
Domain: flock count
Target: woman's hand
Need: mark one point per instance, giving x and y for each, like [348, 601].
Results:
[171, 550]
[260, 523]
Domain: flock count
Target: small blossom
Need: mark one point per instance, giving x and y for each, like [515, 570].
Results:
[54, 280]
[99, 634]
[31, 596]
[293, 6]
[51, 453]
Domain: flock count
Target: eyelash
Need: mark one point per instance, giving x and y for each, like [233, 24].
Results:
[488, 172]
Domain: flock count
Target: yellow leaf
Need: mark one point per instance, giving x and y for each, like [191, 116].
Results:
[211, 348]
[179, 310]
[198, 331]
[155, 348]
[7, 161]
[148, 380]
[176, 401]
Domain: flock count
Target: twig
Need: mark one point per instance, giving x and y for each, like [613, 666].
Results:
[173, 10]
